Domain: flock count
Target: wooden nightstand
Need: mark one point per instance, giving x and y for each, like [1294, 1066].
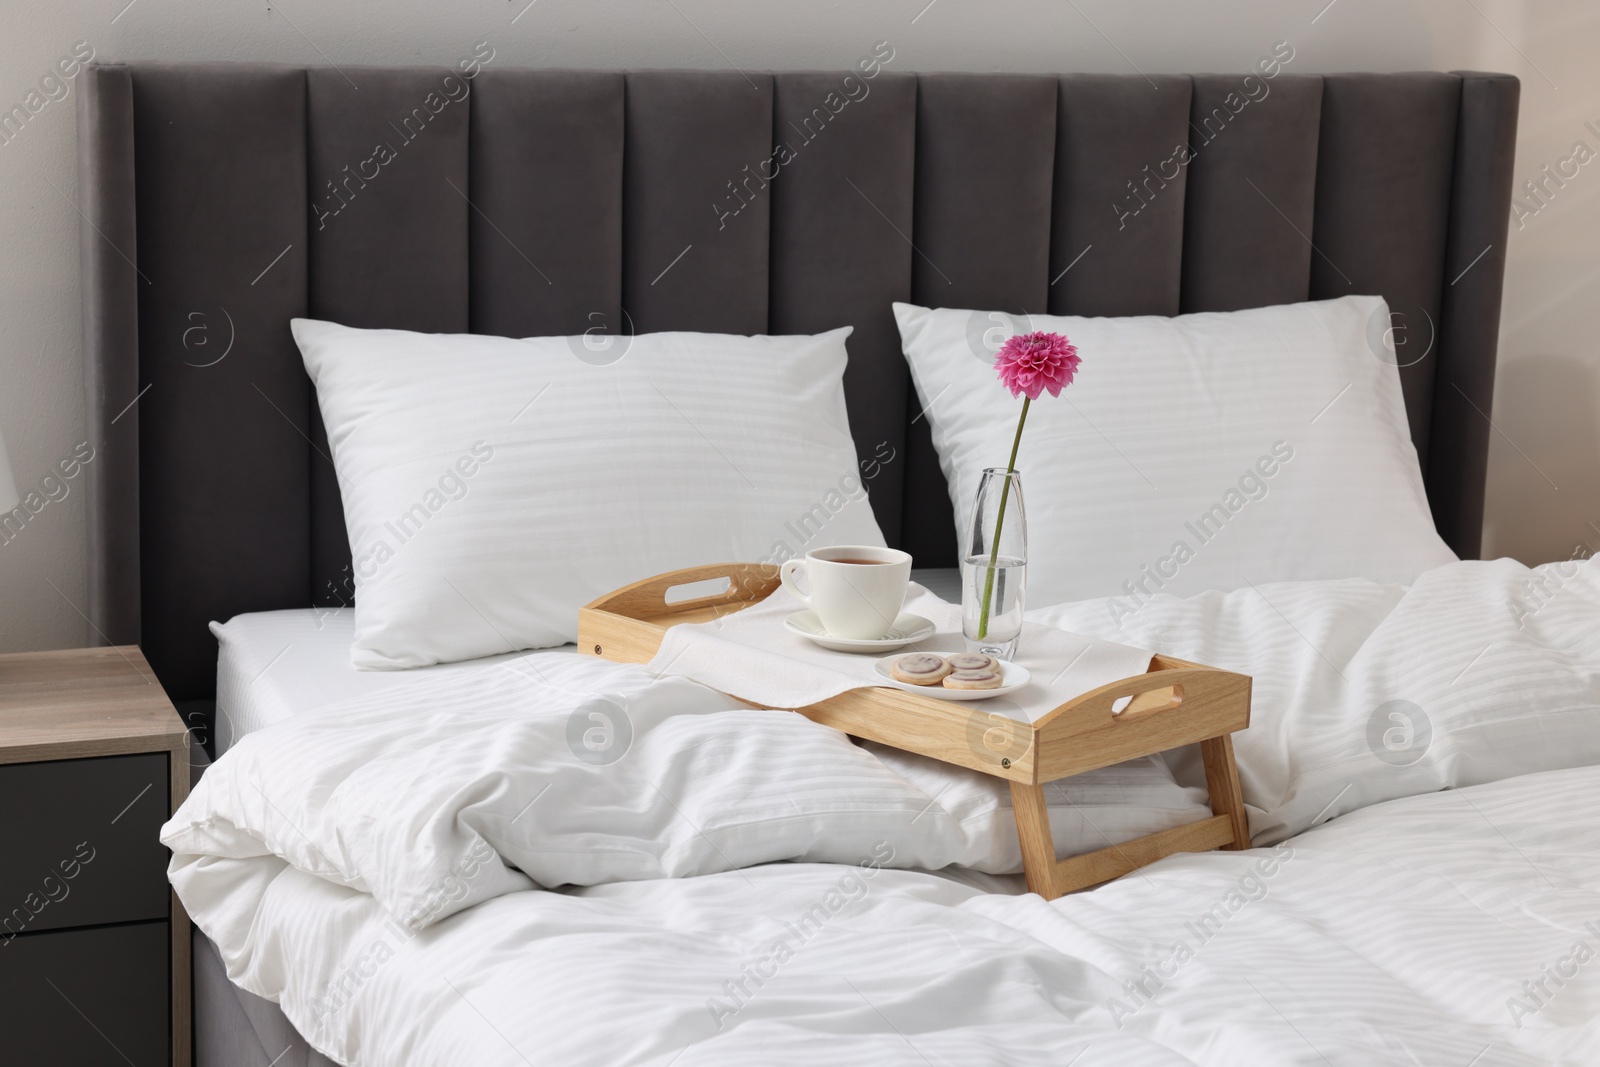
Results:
[94, 946]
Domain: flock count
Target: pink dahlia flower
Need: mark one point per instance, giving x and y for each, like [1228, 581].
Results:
[1030, 363]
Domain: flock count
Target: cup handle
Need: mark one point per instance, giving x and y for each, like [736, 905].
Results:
[787, 573]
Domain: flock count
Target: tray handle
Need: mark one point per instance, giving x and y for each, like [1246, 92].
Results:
[647, 599]
[1170, 685]
[1148, 703]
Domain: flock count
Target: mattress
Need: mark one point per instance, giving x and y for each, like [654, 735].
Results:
[275, 664]
[272, 665]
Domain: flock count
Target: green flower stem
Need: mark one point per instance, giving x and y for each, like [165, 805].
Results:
[999, 523]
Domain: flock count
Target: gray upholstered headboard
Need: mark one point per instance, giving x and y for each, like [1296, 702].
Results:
[221, 200]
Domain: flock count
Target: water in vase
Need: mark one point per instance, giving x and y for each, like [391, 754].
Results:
[1005, 603]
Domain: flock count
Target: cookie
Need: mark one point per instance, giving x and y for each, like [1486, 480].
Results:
[973, 661]
[979, 679]
[920, 668]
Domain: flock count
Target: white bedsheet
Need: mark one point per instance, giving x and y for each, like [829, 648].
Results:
[1422, 931]
[273, 665]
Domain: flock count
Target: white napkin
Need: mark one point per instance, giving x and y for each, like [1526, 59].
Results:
[749, 654]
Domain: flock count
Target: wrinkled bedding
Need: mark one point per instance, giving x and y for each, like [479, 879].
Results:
[571, 862]
[1416, 931]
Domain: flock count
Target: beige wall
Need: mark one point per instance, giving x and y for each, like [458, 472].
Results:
[1546, 460]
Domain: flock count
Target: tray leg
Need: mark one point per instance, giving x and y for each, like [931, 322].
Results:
[1222, 782]
[1033, 832]
[1228, 828]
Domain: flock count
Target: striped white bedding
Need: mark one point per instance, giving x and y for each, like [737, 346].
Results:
[1455, 928]
[1364, 692]
[371, 866]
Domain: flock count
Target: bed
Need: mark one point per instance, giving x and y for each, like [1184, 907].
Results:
[1441, 917]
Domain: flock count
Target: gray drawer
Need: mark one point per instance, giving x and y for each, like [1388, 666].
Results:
[87, 997]
[81, 818]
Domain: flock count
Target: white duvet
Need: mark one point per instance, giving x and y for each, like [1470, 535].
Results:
[373, 868]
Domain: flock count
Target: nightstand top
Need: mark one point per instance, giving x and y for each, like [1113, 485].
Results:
[83, 702]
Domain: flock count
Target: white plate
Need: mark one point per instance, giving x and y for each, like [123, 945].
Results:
[1012, 678]
[906, 629]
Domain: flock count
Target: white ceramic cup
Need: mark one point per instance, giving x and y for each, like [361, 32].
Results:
[859, 600]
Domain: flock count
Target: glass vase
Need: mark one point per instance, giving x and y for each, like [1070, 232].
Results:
[994, 565]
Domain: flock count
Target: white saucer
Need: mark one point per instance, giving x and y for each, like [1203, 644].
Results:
[1012, 678]
[906, 629]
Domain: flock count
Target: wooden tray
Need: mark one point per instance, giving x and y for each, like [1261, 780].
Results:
[1175, 703]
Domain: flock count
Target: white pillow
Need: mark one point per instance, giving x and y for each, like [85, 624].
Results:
[494, 486]
[1207, 451]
